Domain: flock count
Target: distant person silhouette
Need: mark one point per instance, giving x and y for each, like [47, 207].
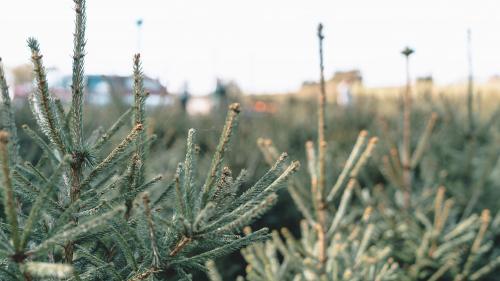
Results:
[185, 96]
[344, 95]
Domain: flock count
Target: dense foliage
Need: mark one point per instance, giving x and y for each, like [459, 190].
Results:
[419, 202]
[84, 212]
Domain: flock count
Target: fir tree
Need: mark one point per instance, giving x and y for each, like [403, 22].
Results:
[84, 212]
[336, 242]
[411, 229]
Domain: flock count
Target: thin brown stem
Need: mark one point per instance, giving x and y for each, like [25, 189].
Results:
[180, 245]
[152, 235]
[320, 202]
[470, 86]
[27, 276]
[406, 155]
[321, 244]
[144, 275]
[76, 176]
[8, 192]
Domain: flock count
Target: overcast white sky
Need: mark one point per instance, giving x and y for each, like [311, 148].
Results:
[264, 45]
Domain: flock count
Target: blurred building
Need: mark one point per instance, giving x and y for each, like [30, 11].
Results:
[424, 86]
[340, 88]
[199, 105]
[100, 90]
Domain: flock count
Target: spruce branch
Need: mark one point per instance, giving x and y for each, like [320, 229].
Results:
[245, 210]
[216, 166]
[112, 156]
[144, 274]
[344, 201]
[473, 255]
[129, 183]
[364, 157]
[189, 170]
[139, 115]
[48, 270]
[8, 192]
[213, 273]
[262, 183]
[41, 199]
[180, 194]
[364, 242]
[257, 236]
[78, 78]
[396, 160]
[104, 138]
[41, 143]
[7, 115]
[127, 249]
[152, 235]
[42, 102]
[98, 261]
[299, 197]
[423, 141]
[351, 161]
[250, 215]
[461, 227]
[180, 245]
[78, 152]
[438, 209]
[75, 232]
[270, 152]
[483, 271]
[441, 271]
[30, 169]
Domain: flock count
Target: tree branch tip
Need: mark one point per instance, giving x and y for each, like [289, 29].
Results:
[320, 31]
[295, 165]
[235, 107]
[351, 183]
[33, 44]
[284, 230]
[485, 216]
[4, 137]
[283, 156]
[363, 133]
[247, 230]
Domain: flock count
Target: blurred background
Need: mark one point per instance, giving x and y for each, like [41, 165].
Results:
[264, 46]
[200, 56]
